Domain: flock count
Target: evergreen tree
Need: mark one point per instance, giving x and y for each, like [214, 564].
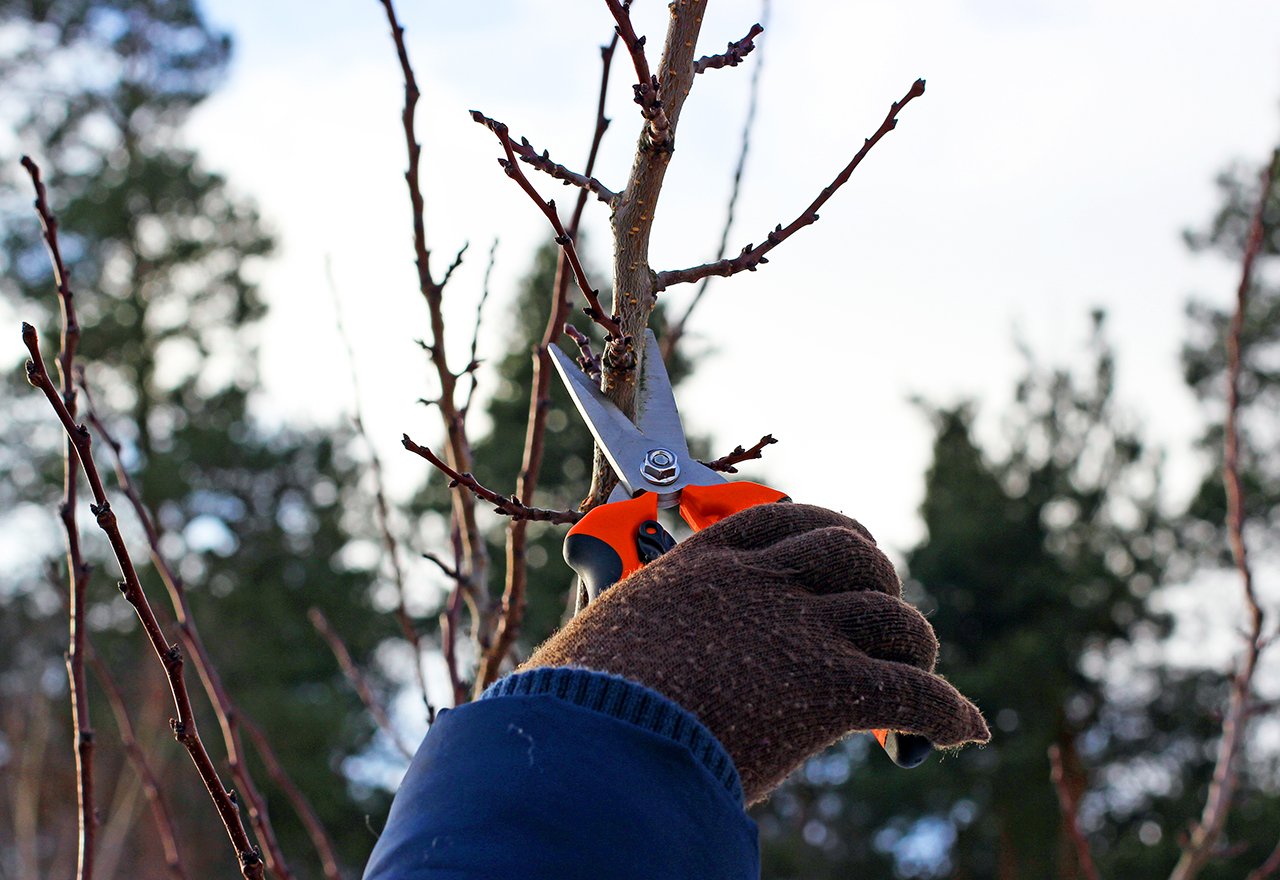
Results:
[1036, 574]
[161, 251]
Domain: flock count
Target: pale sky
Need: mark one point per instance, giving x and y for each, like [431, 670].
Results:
[1059, 150]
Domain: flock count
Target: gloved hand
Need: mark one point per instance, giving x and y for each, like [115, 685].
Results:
[783, 629]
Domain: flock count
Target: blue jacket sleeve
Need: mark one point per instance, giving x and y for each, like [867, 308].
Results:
[566, 774]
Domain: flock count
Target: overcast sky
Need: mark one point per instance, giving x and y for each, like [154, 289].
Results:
[1059, 151]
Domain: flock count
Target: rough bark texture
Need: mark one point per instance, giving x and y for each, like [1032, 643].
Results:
[634, 289]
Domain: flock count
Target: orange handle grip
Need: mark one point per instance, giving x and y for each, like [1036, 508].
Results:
[601, 547]
[700, 506]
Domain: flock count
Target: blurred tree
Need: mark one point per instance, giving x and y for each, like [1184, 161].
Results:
[1036, 573]
[162, 253]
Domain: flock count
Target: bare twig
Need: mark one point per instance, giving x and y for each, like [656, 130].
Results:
[1068, 805]
[733, 55]
[589, 361]
[542, 161]
[1205, 833]
[507, 505]
[307, 813]
[648, 89]
[142, 766]
[676, 329]
[457, 447]
[513, 596]
[449, 623]
[473, 365]
[381, 509]
[170, 656]
[595, 310]
[754, 255]
[631, 224]
[725, 463]
[225, 709]
[77, 570]
[357, 679]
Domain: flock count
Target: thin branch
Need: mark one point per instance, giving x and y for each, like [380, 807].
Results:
[306, 812]
[457, 447]
[513, 596]
[453, 267]
[1205, 833]
[225, 709]
[1068, 805]
[170, 656]
[77, 570]
[165, 828]
[542, 162]
[589, 361]
[648, 89]
[676, 329]
[474, 364]
[507, 505]
[725, 463]
[733, 55]
[381, 509]
[595, 310]
[357, 679]
[449, 623]
[753, 256]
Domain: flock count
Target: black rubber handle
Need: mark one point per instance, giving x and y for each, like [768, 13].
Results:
[907, 749]
[598, 565]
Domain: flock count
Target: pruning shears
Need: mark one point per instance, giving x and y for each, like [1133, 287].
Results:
[656, 471]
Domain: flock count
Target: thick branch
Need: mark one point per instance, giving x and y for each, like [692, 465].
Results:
[725, 463]
[507, 505]
[732, 56]
[595, 310]
[634, 291]
[77, 570]
[752, 256]
[1205, 834]
[170, 656]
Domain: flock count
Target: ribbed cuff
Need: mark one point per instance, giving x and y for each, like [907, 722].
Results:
[626, 701]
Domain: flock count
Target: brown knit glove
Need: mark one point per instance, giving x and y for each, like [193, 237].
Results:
[783, 629]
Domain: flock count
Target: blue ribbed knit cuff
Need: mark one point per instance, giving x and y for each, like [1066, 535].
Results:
[626, 701]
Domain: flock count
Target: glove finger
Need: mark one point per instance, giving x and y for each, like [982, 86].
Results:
[880, 626]
[834, 559]
[883, 695]
[766, 524]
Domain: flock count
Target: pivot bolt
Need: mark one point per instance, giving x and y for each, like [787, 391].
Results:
[660, 467]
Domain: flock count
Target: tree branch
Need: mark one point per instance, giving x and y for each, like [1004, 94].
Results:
[170, 656]
[542, 162]
[382, 513]
[357, 679]
[732, 56]
[726, 463]
[225, 709]
[1205, 833]
[595, 310]
[457, 447]
[507, 505]
[753, 256]
[133, 751]
[77, 570]
[676, 329]
[1068, 805]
